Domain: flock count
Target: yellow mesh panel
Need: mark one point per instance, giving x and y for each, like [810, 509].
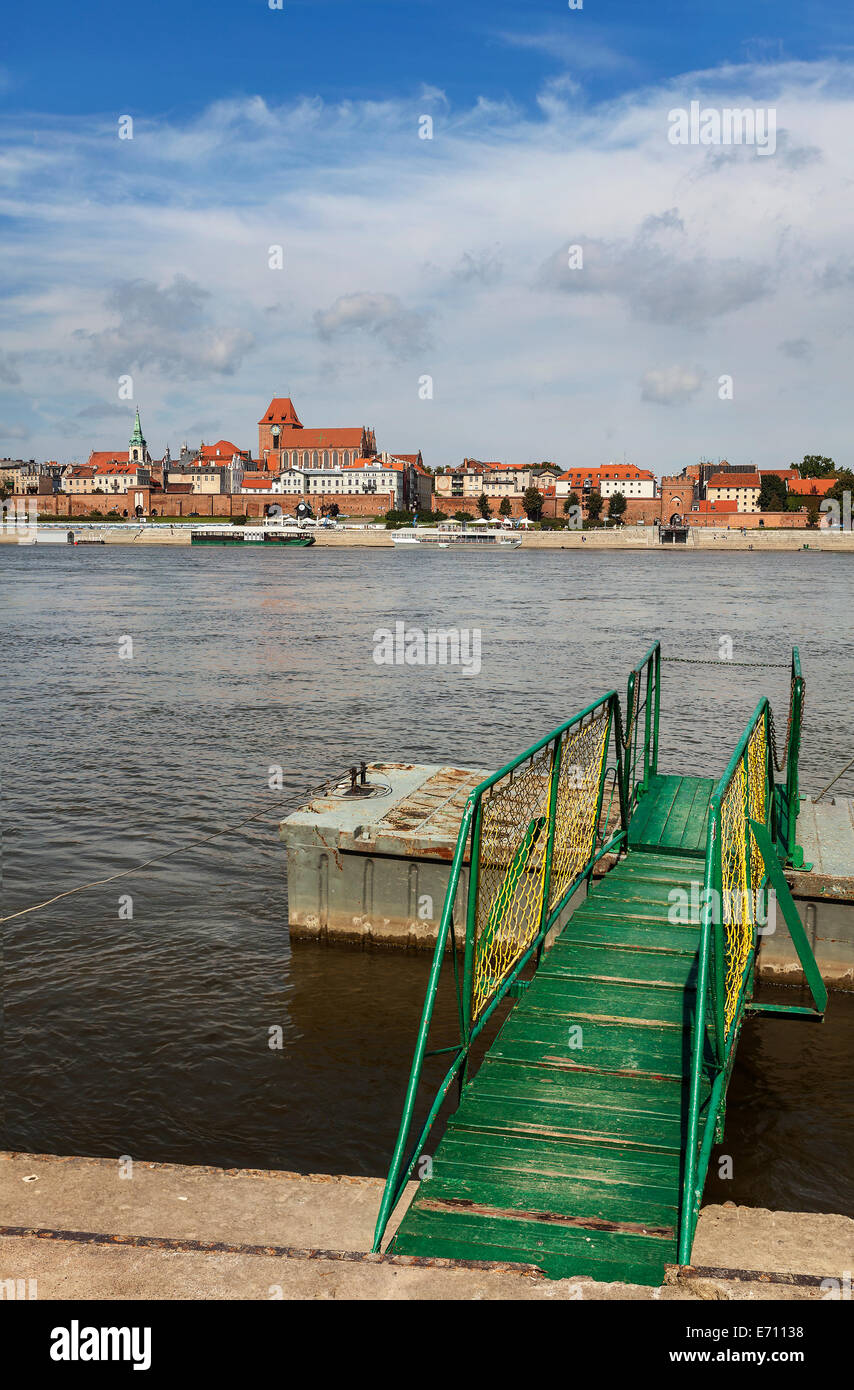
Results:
[756, 770]
[582, 759]
[513, 842]
[741, 865]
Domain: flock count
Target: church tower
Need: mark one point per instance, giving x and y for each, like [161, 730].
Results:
[137, 448]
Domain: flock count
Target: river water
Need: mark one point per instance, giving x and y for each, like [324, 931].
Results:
[148, 1035]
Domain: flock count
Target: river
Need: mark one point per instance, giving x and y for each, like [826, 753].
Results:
[149, 1034]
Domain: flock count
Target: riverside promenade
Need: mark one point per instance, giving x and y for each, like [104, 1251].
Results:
[75, 1228]
[703, 538]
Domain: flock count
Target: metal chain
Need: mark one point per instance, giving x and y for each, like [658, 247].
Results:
[717, 661]
[779, 762]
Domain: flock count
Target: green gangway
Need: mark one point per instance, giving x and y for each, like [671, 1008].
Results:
[581, 1142]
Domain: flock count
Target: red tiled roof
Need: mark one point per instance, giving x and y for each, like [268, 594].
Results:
[101, 456]
[725, 505]
[346, 438]
[82, 470]
[280, 411]
[110, 469]
[735, 480]
[784, 473]
[623, 470]
[223, 450]
[811, 487]
[256, 480]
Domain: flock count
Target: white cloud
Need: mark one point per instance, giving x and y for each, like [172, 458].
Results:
[404, 256]
[403, 331]
[670, 385]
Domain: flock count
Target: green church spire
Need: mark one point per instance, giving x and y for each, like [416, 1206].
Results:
[137, 437]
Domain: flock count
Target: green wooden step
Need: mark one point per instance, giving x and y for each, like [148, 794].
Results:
[657, 868]
[569, 958]
[577, 999]
[608, 905]
[556, 1161]
[639, 934]
[657, 893]
[673, 815]
[546, 1040]
[585, 1195]
[562, 1251]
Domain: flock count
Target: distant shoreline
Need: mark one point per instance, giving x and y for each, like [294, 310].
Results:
[630, 538]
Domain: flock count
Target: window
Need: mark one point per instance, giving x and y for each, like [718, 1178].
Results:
[314, 459]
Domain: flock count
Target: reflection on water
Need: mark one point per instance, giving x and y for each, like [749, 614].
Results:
[150, 1036]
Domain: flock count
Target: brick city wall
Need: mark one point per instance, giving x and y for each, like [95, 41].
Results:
[638, 510]
[202, 505]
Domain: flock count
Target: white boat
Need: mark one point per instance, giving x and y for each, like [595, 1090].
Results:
[452, 535]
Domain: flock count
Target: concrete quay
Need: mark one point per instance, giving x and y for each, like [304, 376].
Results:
[74, 1228]
[626, 538]
[359, 870]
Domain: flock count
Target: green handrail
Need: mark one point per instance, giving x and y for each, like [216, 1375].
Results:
[710, 982]
[794, 748]
[401, 1166]
[773, 846]
[643, 697]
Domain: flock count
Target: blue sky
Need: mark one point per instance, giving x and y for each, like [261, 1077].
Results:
[171, 55]
[150, 259]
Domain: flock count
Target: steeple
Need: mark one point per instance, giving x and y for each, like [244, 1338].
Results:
[137, 448]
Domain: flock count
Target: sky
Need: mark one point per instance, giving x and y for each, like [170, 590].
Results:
[203, 206]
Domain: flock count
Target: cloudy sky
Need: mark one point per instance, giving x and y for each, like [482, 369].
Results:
[155, 257]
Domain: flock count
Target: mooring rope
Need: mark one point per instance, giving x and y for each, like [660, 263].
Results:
[834, 780]
[307, 794]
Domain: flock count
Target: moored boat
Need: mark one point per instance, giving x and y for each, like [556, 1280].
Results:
[452, 535]
[251, 535]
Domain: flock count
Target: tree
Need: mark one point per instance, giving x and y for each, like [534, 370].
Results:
[483, 505]
[844, 483]
[772, 493]
[594, 506]
[815, 466]
[504, 508]
[462, 516]
[617, 507]
[571, 501]
[532, 503]
[812, 512]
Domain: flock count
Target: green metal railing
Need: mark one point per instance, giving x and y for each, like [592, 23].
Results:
[532, 832]
[744, 849]
[643, 704]
[788, 798]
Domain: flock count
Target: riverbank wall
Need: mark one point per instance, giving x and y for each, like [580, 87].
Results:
[98, 1228]
[624, 538]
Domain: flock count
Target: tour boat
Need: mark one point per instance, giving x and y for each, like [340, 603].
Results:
[251, 535]
[451, 535]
